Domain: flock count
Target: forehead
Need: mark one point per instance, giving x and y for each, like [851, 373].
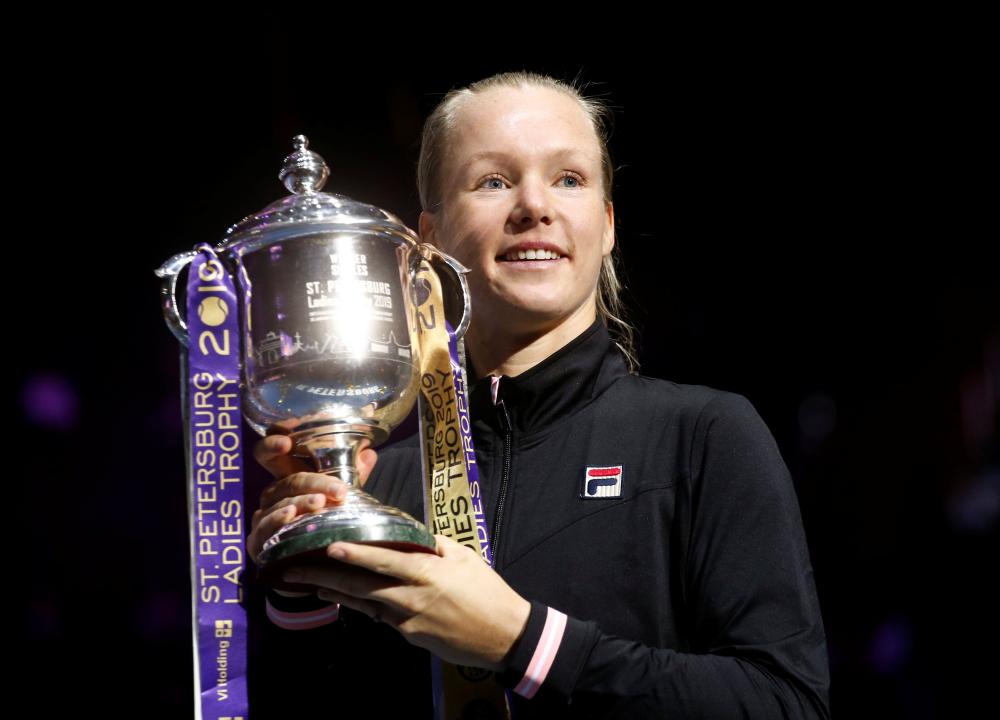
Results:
[522, 122]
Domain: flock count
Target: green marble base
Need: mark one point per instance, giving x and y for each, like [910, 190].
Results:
[358, 520]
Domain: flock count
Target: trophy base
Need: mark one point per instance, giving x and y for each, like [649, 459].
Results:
[360, 518]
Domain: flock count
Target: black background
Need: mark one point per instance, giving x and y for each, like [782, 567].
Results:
[800, 216]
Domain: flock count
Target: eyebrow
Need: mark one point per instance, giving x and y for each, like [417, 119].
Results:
[498, 155]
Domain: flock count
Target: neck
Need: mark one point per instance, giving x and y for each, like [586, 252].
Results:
[499, 351]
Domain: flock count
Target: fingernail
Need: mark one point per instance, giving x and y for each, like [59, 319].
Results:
[337, 490]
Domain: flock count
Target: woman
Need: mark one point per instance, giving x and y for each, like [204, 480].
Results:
[648, 549]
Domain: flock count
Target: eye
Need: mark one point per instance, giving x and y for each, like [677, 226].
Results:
[491, 178]
[577, 180]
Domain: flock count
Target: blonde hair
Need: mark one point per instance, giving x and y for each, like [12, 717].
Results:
[434, 147]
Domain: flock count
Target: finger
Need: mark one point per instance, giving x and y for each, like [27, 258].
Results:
[302, 504]
[303, 483]
[266, 528]
[350, 581]
[273, 452]
[268, 521]
[410, 567]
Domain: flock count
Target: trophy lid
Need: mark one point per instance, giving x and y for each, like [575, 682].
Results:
[304, 173]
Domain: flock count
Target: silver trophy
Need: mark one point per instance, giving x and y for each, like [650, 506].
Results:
[329, 350]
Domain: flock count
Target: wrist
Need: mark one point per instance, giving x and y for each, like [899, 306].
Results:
[517, 625]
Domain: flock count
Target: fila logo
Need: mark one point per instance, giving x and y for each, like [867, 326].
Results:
[602, 482]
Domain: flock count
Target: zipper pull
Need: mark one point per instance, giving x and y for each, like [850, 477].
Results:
[504, 417]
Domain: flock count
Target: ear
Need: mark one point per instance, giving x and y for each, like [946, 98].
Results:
[426, 227]
[608, 241]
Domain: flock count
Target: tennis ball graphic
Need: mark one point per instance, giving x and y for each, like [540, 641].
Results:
[213, 311]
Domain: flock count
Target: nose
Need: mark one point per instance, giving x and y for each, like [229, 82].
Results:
[533, 203]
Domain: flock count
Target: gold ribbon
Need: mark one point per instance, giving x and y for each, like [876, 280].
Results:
[464, 692]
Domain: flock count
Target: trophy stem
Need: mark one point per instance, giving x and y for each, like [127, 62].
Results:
[340, 459]
[342, 462]
[333, 448]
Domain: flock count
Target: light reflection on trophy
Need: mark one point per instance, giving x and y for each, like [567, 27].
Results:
[329, 349]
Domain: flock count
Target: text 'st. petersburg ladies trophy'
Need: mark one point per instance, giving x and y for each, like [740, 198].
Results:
[328, 297]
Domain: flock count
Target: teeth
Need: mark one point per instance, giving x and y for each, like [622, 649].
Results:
[532, 255]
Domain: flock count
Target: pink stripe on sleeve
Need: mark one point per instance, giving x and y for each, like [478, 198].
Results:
[303, 620]
[545, 653]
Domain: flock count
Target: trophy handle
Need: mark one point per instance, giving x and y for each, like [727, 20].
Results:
[455, 275]
[168, 293]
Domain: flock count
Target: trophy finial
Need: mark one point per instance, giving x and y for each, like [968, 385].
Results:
[303, 171]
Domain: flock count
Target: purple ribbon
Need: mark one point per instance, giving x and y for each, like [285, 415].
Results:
[215, 494]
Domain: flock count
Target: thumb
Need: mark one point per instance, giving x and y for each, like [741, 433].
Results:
[447, 547]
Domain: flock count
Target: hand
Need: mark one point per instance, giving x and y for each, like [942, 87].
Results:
[451, 603]
[298, 489]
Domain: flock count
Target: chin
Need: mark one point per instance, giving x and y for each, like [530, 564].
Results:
[530, 318]
[541, 307]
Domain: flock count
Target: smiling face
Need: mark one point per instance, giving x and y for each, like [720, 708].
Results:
[523, 207]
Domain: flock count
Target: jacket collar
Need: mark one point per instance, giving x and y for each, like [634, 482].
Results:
[558, 386]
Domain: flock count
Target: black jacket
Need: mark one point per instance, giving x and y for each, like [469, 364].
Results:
[682, 575]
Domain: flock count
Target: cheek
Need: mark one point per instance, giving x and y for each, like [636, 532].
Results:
[469, 245]
[470, 224]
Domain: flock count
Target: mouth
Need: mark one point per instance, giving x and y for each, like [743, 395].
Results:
[531, 255]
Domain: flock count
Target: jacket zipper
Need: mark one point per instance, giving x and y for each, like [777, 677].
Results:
[505, 419]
